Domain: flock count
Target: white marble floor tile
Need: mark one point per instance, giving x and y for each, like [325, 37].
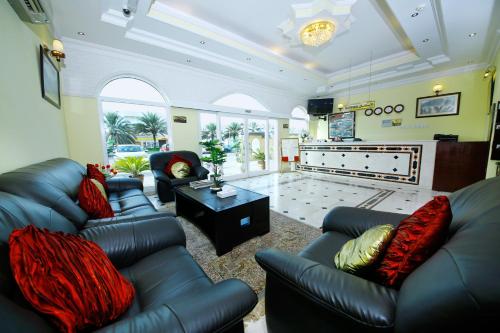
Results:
[308, 197]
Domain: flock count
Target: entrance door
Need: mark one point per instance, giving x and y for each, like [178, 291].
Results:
[232, 129]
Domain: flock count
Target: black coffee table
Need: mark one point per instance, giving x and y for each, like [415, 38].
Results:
[227, 222]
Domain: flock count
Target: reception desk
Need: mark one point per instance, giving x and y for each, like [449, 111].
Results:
[406, 162]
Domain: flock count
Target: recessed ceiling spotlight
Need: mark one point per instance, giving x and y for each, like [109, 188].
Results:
[414, 14]
[425, 40]
[188, 60]
[80, 33]
[305, 79]
[282, 70]
[202, 42]
[472, 34]
[248, 59]
[420, 8]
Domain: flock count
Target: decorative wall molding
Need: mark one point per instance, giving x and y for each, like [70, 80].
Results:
[342, 91]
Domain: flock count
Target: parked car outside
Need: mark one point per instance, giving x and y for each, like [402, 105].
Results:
[130, 150]
[164, 148]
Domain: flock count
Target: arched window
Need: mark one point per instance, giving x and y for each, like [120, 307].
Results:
[241, 101]
[299, 121]
[134, 116]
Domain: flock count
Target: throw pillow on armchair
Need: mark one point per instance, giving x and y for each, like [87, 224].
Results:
[178, 167]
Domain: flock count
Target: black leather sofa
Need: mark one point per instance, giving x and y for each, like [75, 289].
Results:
[456, 290]
[55, 183]
[173, 294]
[165, 184]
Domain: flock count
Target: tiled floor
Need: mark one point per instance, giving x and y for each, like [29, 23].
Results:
[307, 197]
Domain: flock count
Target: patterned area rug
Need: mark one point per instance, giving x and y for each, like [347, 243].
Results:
[286, 234]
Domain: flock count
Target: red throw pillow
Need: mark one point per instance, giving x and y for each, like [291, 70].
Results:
[94, 173]
[92, 201]
[173, 160]
[416, 239]
[68, 278]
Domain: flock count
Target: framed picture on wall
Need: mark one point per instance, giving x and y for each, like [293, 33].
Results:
[438, 105]
[341, 125]
[49, 78]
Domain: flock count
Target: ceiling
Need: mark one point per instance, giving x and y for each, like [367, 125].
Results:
[376, 40]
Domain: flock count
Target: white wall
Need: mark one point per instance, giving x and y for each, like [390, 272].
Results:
[31, 129]
[90, 66]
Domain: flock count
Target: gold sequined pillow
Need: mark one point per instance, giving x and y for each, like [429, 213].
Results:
[359, 253]
[180, 170]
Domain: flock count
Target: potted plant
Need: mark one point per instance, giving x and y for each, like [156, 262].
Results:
[216, 158]
[260, 157]
[134, 165]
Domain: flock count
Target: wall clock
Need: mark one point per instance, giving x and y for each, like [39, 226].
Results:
[399, 108]
[388, 109]
[378, 111]
[368, 112]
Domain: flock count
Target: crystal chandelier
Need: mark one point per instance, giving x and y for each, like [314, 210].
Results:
[317, 33]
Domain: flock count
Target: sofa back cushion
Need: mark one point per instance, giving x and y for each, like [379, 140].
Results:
[458, 289]
[53, 183]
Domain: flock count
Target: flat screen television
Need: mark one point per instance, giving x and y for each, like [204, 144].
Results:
[320, 107]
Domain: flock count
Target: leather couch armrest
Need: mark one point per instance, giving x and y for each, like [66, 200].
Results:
[118, 184]
[126, 243]
[161, 319]
[200, 172]
[354, 221]
[216, 308]
[343, 294]
[161, 176]
[126, 219]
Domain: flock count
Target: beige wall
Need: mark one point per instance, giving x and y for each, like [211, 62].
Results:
[31, 129]
[186, 136]
[83, 125]
[471, 124]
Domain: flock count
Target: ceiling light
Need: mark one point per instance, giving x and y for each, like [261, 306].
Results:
[202, 42]
[425, 40]
[414, 14]
[188, 60]
[81, 33]
[248, 59]
[472, 34]
[282, 70]
[420, 8]
[317, 33]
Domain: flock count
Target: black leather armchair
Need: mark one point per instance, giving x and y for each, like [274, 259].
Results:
[165, 184]
[456, 290]
[173, 294]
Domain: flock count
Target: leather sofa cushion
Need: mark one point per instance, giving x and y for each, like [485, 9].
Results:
[182, 181]
[323, 249]
[130, 202]
[164, 276]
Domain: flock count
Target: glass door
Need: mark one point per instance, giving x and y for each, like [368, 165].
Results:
[257, 145]
[232, 129]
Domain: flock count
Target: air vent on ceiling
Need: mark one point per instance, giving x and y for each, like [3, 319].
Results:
[30, 11]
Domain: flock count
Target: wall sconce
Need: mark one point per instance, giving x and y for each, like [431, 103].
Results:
[340, 106]
[437, 89]
[490, 71]
[57, 50]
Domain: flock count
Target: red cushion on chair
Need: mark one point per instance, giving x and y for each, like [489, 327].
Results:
[416, 239]
[92, 201]
[173, 160]
[94, 173]
[68, 278]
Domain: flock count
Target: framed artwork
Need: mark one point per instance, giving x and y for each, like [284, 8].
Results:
[49, 77]
[341, 125]
[377, 111]
[438, 105]
[388, 109]
[368, 112]
[180, 119]
[399, 108]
